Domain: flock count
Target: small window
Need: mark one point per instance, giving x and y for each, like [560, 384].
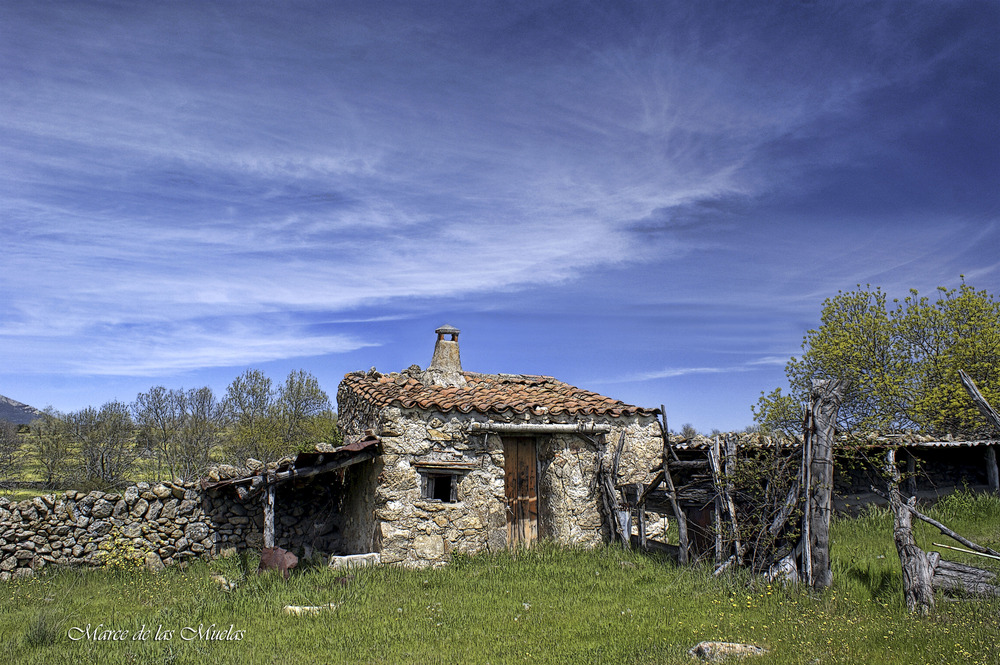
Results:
[439, 487]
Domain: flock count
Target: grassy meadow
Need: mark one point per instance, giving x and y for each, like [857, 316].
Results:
[548, 605]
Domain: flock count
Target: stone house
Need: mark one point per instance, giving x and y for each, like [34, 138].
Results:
[473, 462]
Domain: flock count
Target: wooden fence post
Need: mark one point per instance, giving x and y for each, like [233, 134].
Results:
[682, 531]
[825, 400]
[269, 513]
[917, 571]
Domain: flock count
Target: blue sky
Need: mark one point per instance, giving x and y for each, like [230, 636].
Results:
[647, 199]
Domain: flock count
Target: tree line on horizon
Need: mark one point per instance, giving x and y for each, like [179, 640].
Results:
[174, 433]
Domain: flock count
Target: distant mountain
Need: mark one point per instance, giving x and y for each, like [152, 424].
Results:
[15, 412]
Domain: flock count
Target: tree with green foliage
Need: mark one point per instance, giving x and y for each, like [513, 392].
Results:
[902, 359]
[778, 413]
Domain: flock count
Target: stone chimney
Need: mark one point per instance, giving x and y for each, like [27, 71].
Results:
[446, 365]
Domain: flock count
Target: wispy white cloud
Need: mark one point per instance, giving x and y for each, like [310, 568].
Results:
[321, 161]
[673, 372]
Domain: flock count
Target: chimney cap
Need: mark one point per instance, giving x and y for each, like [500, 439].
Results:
[447, 330]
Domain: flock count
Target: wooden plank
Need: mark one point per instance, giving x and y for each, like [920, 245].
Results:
[991, 469]
[689, 464]
[682, 530]
[531, 466]
[259, 483]
[727, 496]
[269, 516]
[520, 487]
[717, 518]
[641, 518]
[981, 403]
[911, 473]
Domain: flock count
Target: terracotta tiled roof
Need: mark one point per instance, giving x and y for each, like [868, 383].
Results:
[484, 393]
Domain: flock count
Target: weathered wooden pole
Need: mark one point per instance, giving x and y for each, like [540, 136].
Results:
[269, 513]
[682, 532]
[992, 474]
[917, 570]
[713, 462]
[993, 418]
[911, 473]
[825, 400]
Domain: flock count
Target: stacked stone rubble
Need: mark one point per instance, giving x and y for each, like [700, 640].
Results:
[164, 523]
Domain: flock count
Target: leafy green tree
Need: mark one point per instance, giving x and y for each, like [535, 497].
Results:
[902, 359]
[778, 413]
[960, 330]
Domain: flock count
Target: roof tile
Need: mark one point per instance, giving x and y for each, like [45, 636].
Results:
[485, 393]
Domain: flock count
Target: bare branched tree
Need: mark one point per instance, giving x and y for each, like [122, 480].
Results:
[11, 456]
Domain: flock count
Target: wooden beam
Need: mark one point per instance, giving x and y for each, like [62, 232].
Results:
[269, 516]
[291, 474]
[991, 469]
[682, 530]
[943, 529]
[977, 397]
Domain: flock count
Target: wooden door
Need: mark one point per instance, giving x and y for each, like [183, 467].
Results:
[521, 486]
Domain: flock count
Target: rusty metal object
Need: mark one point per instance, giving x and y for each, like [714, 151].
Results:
[276, 558]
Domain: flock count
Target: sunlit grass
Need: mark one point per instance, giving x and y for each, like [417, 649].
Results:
[548, 605]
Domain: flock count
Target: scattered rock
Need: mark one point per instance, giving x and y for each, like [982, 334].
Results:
[308, 610]
[223, 583]
[355, 560]
[714, 652]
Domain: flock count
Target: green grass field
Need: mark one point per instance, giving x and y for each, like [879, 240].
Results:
[549, 605]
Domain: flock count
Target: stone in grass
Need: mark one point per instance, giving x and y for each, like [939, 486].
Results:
[717, 651]
[153, 562]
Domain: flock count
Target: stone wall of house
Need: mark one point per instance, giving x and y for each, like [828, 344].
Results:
[643, 448]
[415, 531]
[357, 508]
[568, 493]
[355, 415]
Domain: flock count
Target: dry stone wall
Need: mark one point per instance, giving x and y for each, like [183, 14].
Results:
[163, 523]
